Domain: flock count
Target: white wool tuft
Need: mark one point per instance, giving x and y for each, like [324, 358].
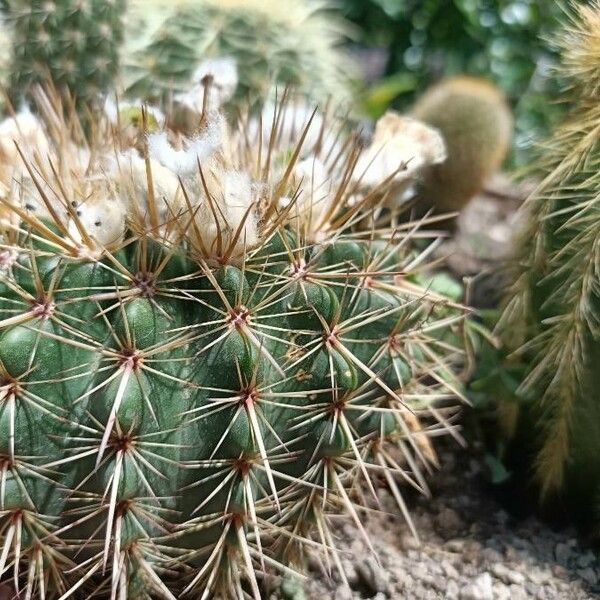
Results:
[25, 129]
[237, 193]
[130, 169]
[292, 122]
[185, 162]
[403, 143]
[224, 74]
[315, 190]
[103, 220]
[234, 199]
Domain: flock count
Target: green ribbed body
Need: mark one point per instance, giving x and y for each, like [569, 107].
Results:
[551, 316]
[291, 44]
[167, 406]
[180, 411]
[74, 44]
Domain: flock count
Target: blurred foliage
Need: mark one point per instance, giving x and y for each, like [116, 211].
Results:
[504, 40]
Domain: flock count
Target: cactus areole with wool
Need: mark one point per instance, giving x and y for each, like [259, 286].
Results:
[208, 345]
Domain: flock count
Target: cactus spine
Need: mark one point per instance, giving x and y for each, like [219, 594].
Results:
[72, 43]
[200, 359]
[551, 312]
[476, 123]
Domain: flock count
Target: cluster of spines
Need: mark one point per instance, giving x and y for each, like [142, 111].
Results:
[180, 424]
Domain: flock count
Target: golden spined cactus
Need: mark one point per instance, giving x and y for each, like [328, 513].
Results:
[202, 359]
[580, 50]
[476, 124]
[551, 317]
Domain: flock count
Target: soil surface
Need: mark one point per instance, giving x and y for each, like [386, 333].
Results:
[470, 548]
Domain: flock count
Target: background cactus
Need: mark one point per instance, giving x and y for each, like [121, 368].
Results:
[291, 43]
[5, 50]
[188, 393]
[72, 43]
[551, 313]
[476, 124]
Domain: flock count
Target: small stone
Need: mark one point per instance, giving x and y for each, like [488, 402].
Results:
[313, 562]
[413, 554]
[532, 589]
[449, 570]
[479, 589]
[373, 576]
[403, 579]
[350, 571]
[448, 521]
[452, 591]
[522, 544]
[343, 593]
[511, 554]
[419, 571]
[455, 545]
[562, 553]
[538, 576]
[491, 555]
[586, 560]
[501, 592]
[560, 572]
[517, 592]
[588, 575]
[292, 589]
[501, 517]
[506, 575]
[409, 542]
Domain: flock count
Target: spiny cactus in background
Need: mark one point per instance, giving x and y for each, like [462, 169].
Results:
[290, 43]
[476, 124]
[202, 360]
[74, 44]
[5, 49]
[551, 313]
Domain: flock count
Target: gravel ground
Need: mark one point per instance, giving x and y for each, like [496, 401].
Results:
[470, 548]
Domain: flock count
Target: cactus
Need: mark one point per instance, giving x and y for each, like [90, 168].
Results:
[5, 39]
[201, 360]
[551, 314]
[476, 123]
[290, 43]
[74, 44]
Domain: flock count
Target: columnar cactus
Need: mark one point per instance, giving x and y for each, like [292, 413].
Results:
[289, 43]
[552, 309]
[72, 43]
[201, 358]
